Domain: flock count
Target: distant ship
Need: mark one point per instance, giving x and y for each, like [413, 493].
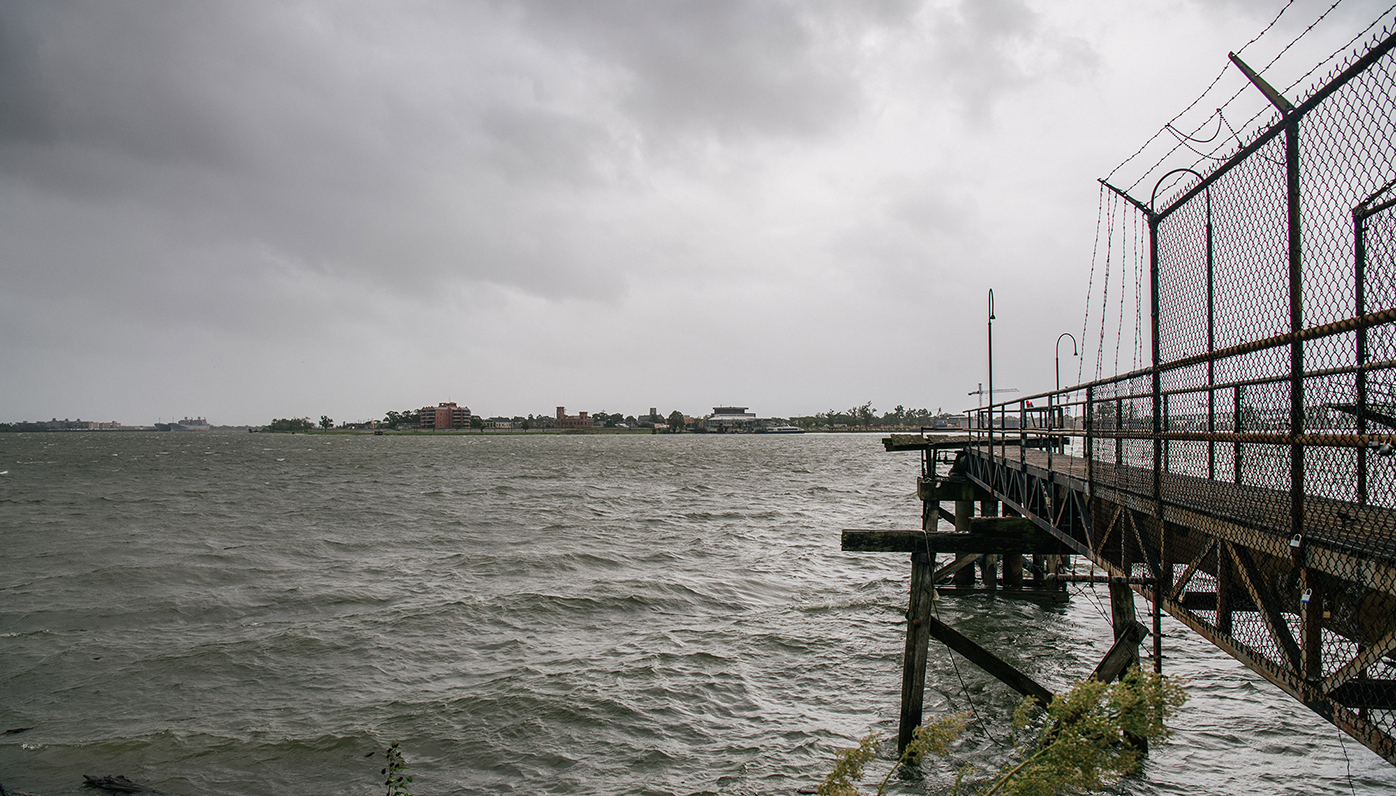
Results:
[781, 430]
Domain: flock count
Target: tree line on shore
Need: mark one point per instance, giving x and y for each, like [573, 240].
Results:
[866, 416]
[862, 416]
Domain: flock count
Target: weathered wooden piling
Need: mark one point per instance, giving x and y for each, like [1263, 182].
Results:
[982, 540]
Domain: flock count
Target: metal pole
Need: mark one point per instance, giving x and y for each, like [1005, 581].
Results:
[1056, 396]
[1296, 323]
[991, 374]
[1074, 352]
[1359, 231]
[1165, 575]
[1211, 346]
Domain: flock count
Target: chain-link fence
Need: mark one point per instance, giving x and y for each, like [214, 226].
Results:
[1254, 460]
[1250, 471]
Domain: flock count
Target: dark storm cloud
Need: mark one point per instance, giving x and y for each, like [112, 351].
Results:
[542, 182]
[727, 67]
[446, 143]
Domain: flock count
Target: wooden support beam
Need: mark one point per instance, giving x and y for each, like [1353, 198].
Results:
[961, 561]
[918, 442]
[935, 490]
[1030, 540]
[1012, 570]
[918, 631]
[1123, 618]
[1122, 653]
[1004, 671]
[964, 519]
[989, 571]
[989, 564]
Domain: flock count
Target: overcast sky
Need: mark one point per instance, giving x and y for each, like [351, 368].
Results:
[247, 210]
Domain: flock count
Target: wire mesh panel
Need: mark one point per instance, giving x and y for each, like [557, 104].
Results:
[1265, 427]
[1245, 473]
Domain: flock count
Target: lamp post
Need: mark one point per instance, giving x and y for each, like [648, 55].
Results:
[991, 372]
[1056, 396]
[1074, 353]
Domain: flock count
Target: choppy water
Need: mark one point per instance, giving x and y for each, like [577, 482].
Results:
[247, 614]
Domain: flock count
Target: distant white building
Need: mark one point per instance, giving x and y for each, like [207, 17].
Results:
[730, 419]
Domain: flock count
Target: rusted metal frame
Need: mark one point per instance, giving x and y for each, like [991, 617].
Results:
[1236, 396]
[1039, 498]
[1151, 559]
[1156, 559]
[1211, 344]
[1363, 730]
[1357, 68]
[1181, 584]
[1098, 547]
[1355, 667]
[1365, 571]
[1259, 438]
[1023, 445]
[1385, 364]
[1088, 420]
[1276, 98]
[1270, 615]
[1083, 512]
[1311, 604]
[1343, 326]
[1226, 582]
[1359, 227]
[1296, 319]
[1062, 505]
[1076, 545]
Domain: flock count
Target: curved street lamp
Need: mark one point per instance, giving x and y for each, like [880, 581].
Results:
[1074, 352]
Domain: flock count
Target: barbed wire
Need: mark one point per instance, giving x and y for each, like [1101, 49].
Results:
[1204, 93]
[1213, 156]
[1383, 16]
[1090, 282]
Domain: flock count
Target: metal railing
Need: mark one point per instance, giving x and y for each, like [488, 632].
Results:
[1267, 415]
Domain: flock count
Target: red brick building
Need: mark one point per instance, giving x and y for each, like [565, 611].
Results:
[565, 420]
[446, 415]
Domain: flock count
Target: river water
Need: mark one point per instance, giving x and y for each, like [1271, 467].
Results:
[224, 613]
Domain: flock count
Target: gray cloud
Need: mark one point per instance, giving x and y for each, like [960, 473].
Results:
[556, 189]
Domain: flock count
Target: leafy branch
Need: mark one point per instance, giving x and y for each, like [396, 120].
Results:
[1086, 738]
[395, 780]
